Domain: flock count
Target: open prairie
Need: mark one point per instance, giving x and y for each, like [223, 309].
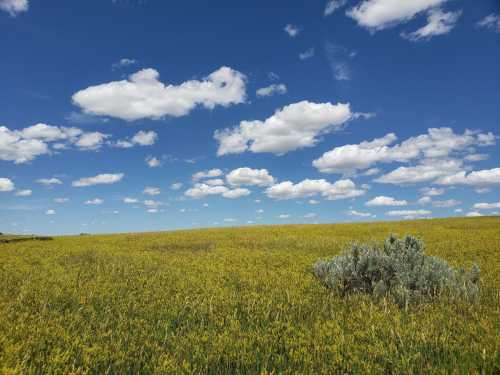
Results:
[238, 300]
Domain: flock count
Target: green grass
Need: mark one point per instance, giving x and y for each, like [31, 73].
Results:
[240, 300]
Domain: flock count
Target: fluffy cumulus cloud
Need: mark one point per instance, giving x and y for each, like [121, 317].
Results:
[428, 170]
[143, 95]
[438, 23]
[382, 200]
[341, 189]
[485, 177]
[380, 14]
[487, 206]
[50, 212]
[214, 182]
[437, 143]
[129, 200]
[100, 179]
[201, 190]
[91, 141]
[6, 184]
[248, 176]
[293, 127]
[141, 138]
[207, 174]
[13, 7]
[271, 90]
[24, 145]
[236, 193]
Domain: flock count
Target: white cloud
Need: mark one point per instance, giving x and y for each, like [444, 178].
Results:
[313, 201]
[61, 200]
[142, 95]
[424, 200]
[482, 190]
[152, 203]
[236, 193]
[428, 170]
[151, 190]
[359, 214]
[124, 63]
[491, 22]
[272, 90]
[332, 5]
[49, 181]
[50, 212]
[372, 172]
[438, 23]
[380, 14]
[437, 143]
[310, 215]
[284, 216]
[176, 186]
[295, 126]
[91, 141]
[130, 200]
[105, 178]
[382, 200]
[248, 176]
[476, 157]
[446, 203]
[207, 174]
[307, 54]
[229, 220]
[458, 210]
[141, 138]
[153, 162]
[409, 213]
[152, 210]
[341, 189]
[23, 193]
[13, 7]
[431, 191]
[202, 190]
[214, 182]
[6, 184]
[95, 201]
[292, 30]
[486, 206]
[24, 145]
[485, 177]
[474, 214]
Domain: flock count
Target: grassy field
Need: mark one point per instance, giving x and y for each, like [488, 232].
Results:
[240, 300]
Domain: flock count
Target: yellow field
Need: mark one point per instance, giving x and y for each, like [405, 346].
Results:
[240, 300]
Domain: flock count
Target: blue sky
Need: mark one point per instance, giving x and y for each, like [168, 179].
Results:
[152, 115]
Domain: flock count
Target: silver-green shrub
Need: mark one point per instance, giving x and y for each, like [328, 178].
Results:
[398, 270]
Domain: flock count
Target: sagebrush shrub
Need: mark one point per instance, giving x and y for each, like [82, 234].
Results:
[398, 270]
